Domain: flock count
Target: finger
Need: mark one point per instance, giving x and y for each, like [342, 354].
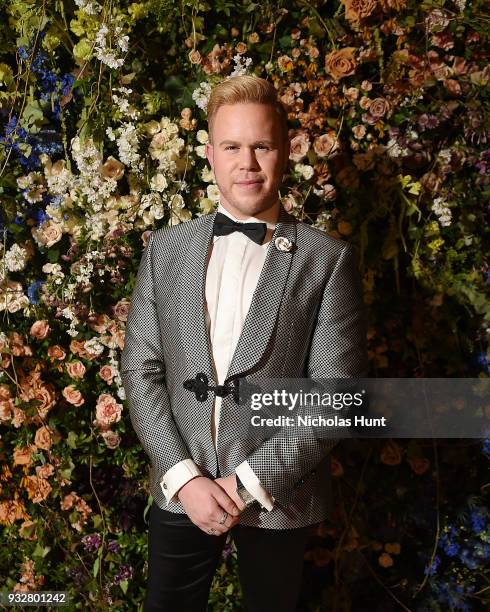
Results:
[225, 501]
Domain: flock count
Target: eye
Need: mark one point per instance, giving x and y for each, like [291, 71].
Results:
[230, 147]
[262, 147]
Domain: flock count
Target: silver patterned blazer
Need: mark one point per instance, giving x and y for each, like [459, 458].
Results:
[306, 320]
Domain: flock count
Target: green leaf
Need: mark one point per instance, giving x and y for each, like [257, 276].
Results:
[71, 439]
[95, 570]
[124, 586]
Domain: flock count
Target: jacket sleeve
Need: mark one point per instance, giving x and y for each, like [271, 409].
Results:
[143, 374]
[337, 350]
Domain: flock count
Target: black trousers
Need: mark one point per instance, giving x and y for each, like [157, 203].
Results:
[182, 560]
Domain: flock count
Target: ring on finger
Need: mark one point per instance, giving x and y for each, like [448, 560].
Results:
[223, 518]
[211, 530]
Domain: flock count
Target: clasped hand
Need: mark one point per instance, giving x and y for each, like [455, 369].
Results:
[207, 502]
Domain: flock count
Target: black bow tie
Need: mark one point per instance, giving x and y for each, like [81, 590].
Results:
[223, 226]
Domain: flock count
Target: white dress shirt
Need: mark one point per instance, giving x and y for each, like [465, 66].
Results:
[233, 269]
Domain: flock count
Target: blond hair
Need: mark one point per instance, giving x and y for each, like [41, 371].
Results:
[243, 89]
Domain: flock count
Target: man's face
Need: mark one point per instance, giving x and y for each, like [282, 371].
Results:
[249, 156]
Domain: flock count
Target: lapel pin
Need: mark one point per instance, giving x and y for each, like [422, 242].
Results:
[283, 244]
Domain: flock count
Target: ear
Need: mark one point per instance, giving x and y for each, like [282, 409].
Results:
[208, 149]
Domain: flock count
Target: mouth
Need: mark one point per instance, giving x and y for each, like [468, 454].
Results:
[249, 184]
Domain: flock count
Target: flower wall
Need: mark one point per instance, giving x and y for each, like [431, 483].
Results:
[102, 134]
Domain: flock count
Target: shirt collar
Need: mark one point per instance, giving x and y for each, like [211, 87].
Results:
[223, 210]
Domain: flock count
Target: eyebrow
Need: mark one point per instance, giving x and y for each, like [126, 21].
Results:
[234, 142]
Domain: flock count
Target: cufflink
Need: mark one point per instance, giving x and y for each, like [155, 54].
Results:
[164, 485]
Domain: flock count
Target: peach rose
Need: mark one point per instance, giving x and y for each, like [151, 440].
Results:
[44, 471]
[121, 310]
[111, 438]
[419, 465]
[356, 10]
[73, 396]
[241, 47]
[56, 352]
[43, 439]
[38, 489]
[40, 329]
[18, 418]
[48, 233]
[5, 393]
[195, 57]
[11, 511]
[106, 372]
[326, 145]
[23, 455]
[47, 399]
[393, 548]
[391, 453]
[76, 369]
[341, 63]
[112, 169]
[379, 107]
[385, 560]
[107, 411]
[6, 407]
[300, 145]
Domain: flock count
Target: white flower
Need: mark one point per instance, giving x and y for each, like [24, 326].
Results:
[15, 258]
[201, 94]
[283, 244]
[440, 207]
[158, 182]
[201, 151]
[88, 7]
[202, 136]
[242, 64]
[207, 175]
[305, 170]
[177, 201]
[213, 192]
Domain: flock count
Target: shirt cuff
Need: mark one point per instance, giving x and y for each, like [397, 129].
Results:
[177, 476]
[253, 486]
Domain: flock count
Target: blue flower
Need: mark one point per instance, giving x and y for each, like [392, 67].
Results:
[478, 520]
[33, 291]
[432, 568]
[486, 446]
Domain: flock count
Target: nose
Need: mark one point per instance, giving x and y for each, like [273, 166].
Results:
[248, 159]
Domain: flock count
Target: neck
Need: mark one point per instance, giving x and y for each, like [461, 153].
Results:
[269, 215]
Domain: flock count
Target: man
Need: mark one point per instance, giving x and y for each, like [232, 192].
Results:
[215, 301]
